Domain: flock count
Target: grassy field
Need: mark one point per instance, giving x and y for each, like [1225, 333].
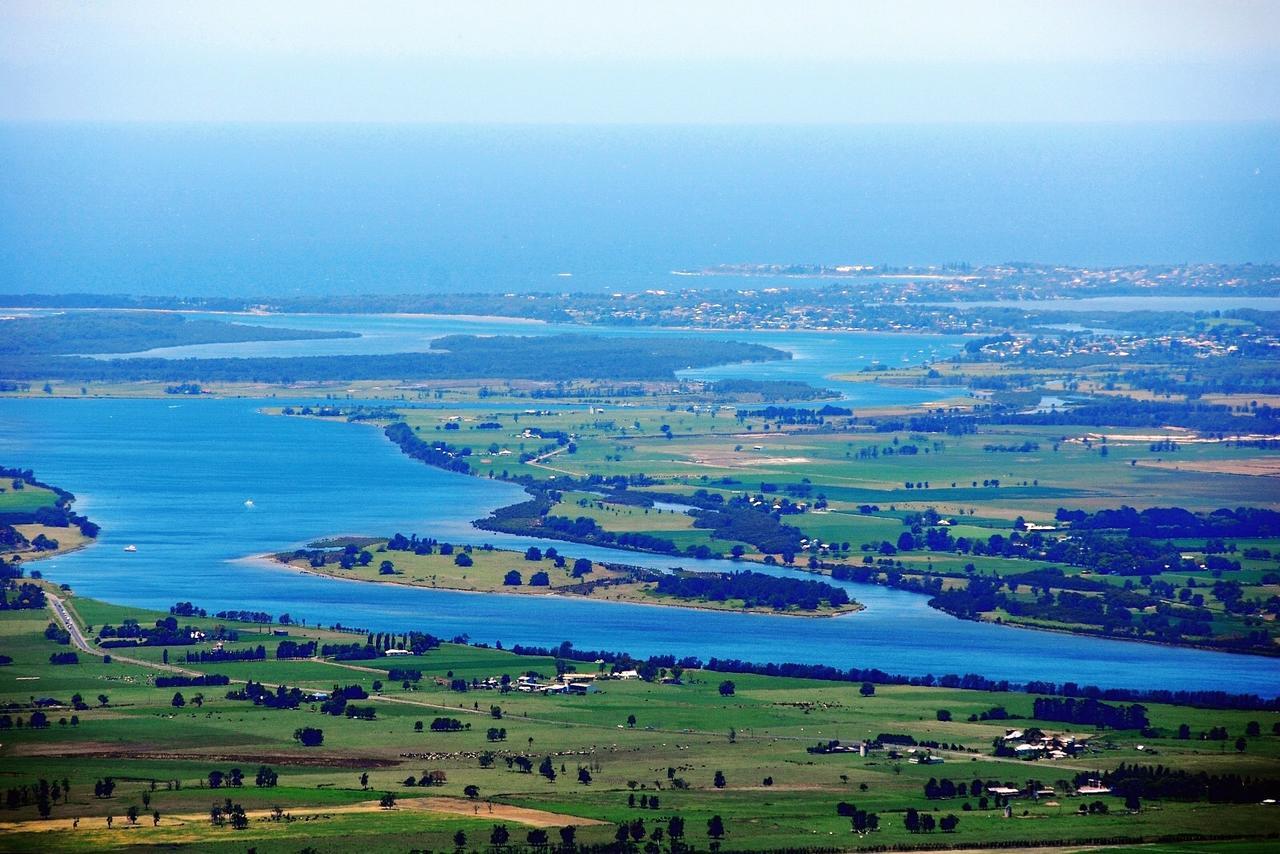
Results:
[25, 500]
[637, 740]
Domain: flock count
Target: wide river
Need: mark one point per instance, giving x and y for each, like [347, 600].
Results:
[172, 477]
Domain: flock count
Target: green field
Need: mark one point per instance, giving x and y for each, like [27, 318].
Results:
[25, 500]
[680, 736]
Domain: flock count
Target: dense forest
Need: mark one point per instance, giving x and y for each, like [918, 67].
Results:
[547, 358]
[130, 332]
[755, 589]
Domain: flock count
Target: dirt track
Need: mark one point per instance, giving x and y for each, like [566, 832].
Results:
[451, 806]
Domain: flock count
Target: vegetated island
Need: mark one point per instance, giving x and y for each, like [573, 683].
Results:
[426, 562]
[131, 332]
[36, 521]
[551, 357]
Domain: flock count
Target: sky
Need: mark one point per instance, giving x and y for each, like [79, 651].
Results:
[639, 62]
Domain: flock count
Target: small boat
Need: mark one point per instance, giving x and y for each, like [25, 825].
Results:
[248, 502]
[131, 548]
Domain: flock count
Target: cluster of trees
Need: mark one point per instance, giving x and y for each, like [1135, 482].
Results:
[212, 656]
[244, 616]
[337, 703]
[281, 698]
[448, 725]
[755, 589]
[309, 736]
[793, 415]
[552, 357]
[1212, 419]
[265, 778]
[43, 793]
[758, 524]
[1091, 712]
[178, 681]
[585, 530]
[434, 453]
[127, 332]
[769, 389]
[21, 597]
[165, 632]
[917, 822]
[295, 649]
[1159, 782]
[1176, 522]
[860, 820]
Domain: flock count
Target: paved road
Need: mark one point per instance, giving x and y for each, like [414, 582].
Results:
[72, 627]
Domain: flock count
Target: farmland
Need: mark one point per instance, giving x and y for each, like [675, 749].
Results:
[650, 750]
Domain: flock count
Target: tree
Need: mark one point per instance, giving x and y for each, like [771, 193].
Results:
[178, 700]
[911, 821]
[463, 559]
[309, 736]
[513, 579]
[949, 823]
[1241, 744]
[631, 721]
[581, 567]
[499, 835]
[387, 801]
[460, 840]
[727, 688]
[867, 689]
[568, 835]
[584, 776]
[533, 553]
[675, 827]
[102, 699]
[718, 781]
[472, 791]
[364, 780]
[715, 827]
[537, 837]
[547, 769]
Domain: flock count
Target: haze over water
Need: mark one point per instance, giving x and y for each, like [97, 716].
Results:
[277, 210]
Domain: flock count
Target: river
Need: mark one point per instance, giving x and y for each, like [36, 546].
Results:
[172, 478]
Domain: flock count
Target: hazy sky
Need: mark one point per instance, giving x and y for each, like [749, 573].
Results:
[600, 61]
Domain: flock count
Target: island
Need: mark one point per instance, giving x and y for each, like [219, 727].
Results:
[426, 562]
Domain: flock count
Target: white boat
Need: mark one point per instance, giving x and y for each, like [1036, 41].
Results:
[131, 548]
[248, 502]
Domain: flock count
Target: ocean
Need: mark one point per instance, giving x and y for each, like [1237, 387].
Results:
[276, 210]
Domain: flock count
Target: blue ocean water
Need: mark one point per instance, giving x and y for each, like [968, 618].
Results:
[286, 209]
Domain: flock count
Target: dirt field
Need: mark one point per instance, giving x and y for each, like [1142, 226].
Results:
[1254, 466]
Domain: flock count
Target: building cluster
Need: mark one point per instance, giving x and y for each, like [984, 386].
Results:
[1034, 744]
